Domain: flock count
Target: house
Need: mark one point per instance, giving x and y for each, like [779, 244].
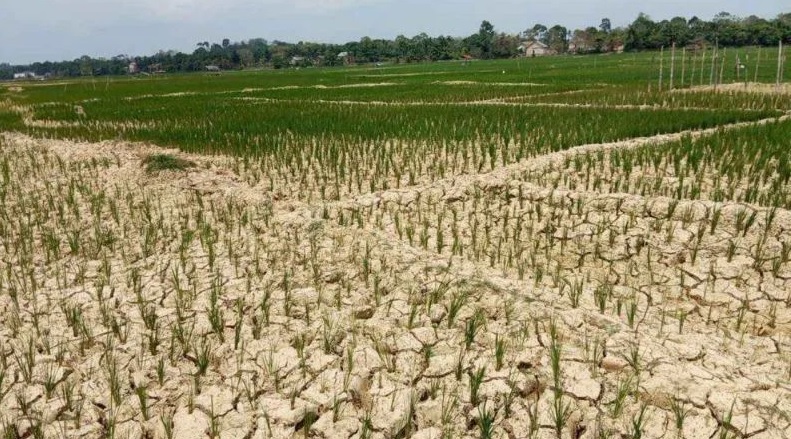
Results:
[133, 68]
[297, 60]
[347, 57]
[618, 47]
[212, 68]
[156, 69]
[578, 46]
[25, 75]
[696, 46]
[535, 48]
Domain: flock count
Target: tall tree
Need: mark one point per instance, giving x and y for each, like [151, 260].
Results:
[536, 33]
[640, 31]
[605, 26]
[484, 40]
[557, 38]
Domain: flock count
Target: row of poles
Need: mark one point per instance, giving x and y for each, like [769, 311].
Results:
[715, 77]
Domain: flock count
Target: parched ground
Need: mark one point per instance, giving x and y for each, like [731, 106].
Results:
[212, 302]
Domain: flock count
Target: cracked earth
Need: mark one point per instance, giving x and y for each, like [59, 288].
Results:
[213, 302]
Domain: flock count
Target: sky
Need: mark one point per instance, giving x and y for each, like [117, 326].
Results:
[54, 30]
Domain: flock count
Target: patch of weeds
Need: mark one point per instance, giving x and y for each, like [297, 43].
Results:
[155, 163]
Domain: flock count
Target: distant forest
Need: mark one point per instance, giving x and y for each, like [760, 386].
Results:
[642, 34]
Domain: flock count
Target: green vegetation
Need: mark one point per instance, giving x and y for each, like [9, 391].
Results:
[643, 33]
[164, 162]
[750, 165]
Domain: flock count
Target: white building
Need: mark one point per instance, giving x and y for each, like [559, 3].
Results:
[535, 48]
[24, 75]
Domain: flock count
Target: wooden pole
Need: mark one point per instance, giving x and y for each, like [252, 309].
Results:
[779, 61]
[692, 73]
[722, 64]
[683, 66]
[702, 66]
[662, 66]
[738, 67]
[757, 63]
[672, 64]
[713, 63]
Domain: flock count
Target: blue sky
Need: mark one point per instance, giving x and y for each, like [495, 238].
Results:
[37, 30]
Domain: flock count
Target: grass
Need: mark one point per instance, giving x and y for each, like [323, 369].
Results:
[155, 163]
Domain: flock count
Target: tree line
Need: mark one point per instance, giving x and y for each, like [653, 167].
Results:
[642, 34]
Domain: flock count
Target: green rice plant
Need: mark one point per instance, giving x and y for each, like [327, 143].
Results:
[596, 353]
[472, 327]
[476, 379]
[499, 352]
[161, 371]
[622, 391]
[555, 353]
[386, 354]
[601, 295]
[168, 426]
[634, 359]
[631, 312]
[329, 341]
[559, 412]
[413, 313]
[638, 423]
[575, 291]
[142, 397]
[203, 355]
[731, 250]
[428, 352]
[533, 420]
[214, 312]
[725, 429]
[486, 420]
[456, 303]
[50, 380]
[680, 413]
[366, 429]
[113, 379]
[214, 422]
[448, 406]
[459, 365]
[26, 360]
[682, 317]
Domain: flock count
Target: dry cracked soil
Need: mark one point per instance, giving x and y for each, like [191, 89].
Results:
[204, 303]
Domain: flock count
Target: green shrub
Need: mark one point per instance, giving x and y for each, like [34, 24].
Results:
[162, 162]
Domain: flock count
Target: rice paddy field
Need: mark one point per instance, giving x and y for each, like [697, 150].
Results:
[565, 247]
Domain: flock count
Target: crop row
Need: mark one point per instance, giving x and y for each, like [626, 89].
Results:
[749, 165]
